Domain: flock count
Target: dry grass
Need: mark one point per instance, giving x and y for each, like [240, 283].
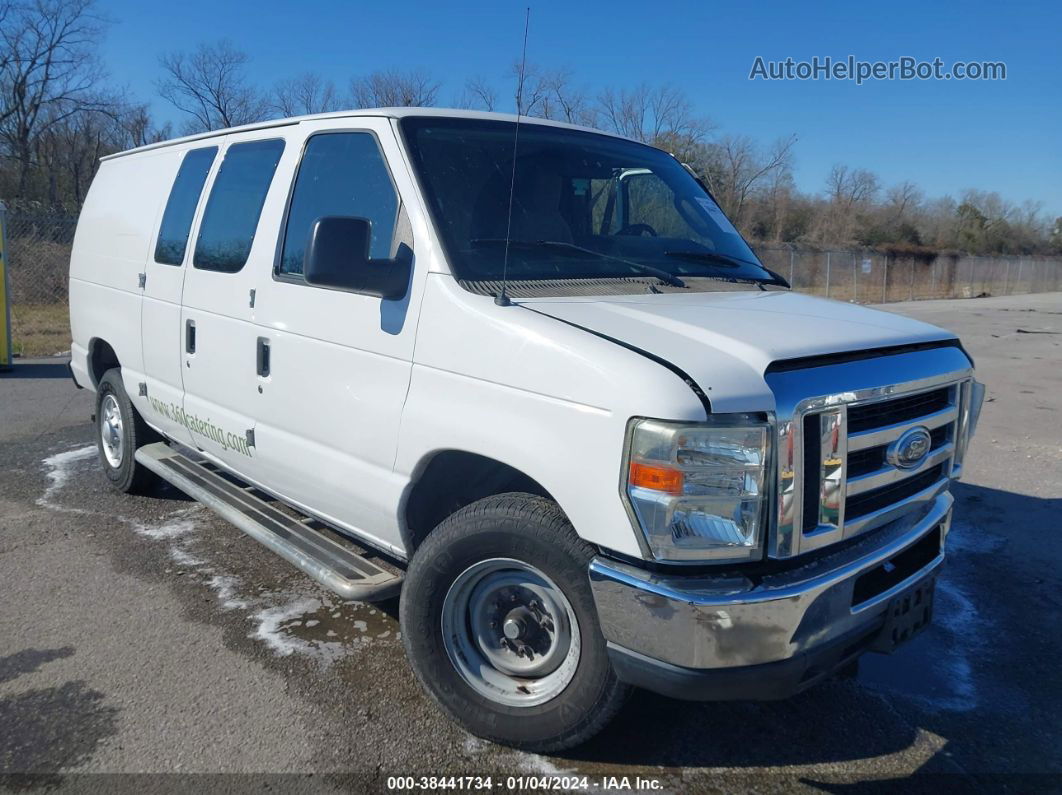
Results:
[40, 329]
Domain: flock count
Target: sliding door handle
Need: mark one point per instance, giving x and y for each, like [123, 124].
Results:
[189, 336]
[262, 357]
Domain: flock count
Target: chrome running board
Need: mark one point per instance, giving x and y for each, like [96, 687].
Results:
[289, 533]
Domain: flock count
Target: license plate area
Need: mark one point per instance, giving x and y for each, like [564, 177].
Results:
[900, 567]
[908, 614]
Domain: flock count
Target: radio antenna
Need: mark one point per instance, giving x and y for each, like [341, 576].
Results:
[501, 299]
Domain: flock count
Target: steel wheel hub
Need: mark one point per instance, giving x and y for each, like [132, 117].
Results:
[111, 431]
[510, 632]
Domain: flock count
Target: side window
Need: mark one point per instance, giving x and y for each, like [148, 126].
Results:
[235, 202]
[340, 174]
[652, 202]
[180, 207]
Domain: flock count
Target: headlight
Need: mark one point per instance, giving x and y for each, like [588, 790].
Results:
[971, 396]
[697, 490]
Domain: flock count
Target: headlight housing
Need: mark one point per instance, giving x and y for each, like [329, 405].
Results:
[698, 491]
[971, 396]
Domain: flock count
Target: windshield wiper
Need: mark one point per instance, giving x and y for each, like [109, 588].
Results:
[708, 256]
[660, 273]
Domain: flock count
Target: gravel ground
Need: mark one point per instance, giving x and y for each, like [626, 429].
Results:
[142, 635]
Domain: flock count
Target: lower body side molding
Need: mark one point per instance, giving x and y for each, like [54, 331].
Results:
[336, 567]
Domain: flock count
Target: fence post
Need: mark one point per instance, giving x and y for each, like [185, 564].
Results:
[885, 279]
[1018, 279]
[791, 256]
[827, 274]
[855, 280]
[6, 359]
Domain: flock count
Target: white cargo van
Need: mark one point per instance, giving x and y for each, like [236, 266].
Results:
[540, 385]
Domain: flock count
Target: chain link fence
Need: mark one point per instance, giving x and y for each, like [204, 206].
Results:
[39, 257]
[38, 261]
[867, 276]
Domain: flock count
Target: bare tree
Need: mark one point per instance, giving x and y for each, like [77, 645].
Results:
[553, 94]
[660, 115]
[48, 72]
[779, 201]
[738, 166]
[477, 94]
[134, 127]
[849, 192]
[68, 151]
[848, 187]
[210, 86]
[7, 10]
[937, 222]
[394, 89]
[304, 95]
[901, 200]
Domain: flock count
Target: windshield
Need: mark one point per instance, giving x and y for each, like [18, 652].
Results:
[585, 206]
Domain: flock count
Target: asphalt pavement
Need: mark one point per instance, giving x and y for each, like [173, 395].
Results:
[143, 635]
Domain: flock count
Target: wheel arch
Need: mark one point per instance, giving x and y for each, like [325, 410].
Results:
[101, 358]
[447, 480]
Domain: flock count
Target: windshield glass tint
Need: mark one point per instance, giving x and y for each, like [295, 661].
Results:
[584, 205]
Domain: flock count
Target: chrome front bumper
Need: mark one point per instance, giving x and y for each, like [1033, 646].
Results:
[710, 623]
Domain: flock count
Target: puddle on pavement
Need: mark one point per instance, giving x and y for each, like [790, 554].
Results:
[347, 623]
[937, 667]
[324, 628]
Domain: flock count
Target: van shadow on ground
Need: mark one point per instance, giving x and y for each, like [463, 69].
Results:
[37, 370]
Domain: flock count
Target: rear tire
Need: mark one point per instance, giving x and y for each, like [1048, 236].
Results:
[120, 432]
[501, 629]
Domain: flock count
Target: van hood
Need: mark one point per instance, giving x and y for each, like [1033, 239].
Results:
[725, 341]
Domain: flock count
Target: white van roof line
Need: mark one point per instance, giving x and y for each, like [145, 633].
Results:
[392, 113]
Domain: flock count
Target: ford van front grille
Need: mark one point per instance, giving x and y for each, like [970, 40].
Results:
[852, 460]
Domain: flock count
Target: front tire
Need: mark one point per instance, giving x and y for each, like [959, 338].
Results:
[500, 626]
[120, 431]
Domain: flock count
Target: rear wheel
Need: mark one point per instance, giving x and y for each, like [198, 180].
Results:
[500, 626]
[120, 431]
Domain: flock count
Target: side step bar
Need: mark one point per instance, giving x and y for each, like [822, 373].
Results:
[333, 565]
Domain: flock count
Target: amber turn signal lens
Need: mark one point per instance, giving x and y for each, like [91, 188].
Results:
[656, 478]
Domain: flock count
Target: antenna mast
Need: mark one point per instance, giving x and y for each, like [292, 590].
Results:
[501, 299]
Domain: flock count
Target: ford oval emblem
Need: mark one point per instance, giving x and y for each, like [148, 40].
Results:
[910, 449]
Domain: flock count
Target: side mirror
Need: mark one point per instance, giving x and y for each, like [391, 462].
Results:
[338, 257]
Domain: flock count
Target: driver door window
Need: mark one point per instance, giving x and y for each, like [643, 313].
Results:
[648, 201]
[342, 173]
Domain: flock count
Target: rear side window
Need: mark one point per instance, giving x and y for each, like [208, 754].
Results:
[235, 203]
[340, 174]
[180, 207]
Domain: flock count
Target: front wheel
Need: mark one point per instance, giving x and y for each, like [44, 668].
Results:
[120, 431]
[500, 626]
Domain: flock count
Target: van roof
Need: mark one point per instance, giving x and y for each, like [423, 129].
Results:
[393, 113]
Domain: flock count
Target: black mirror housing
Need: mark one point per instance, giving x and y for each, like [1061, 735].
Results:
[338, 257]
